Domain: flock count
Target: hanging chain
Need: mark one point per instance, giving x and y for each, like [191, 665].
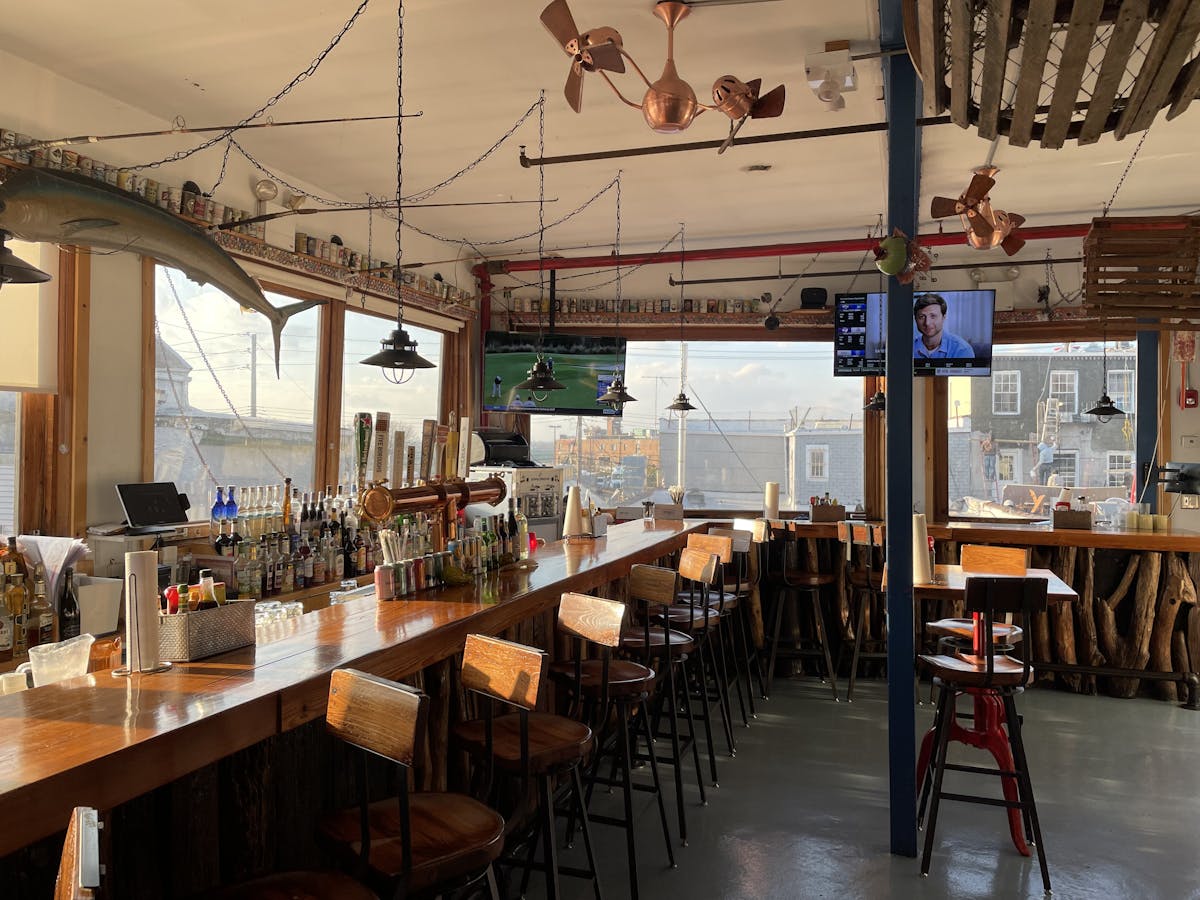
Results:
[878, 227]
[362, 295]
[682, 257]
[224, 164]
[617, 252]
[187, 421]
[399, 162]
[1121, 180]
[541, 233]
[287, 88]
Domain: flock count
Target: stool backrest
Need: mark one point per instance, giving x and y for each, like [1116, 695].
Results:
[652, 584]
[697, 565]
[668, 512]
[993, 560]
[504, 670]
[380, 716]
[711, 543]
[740, 540]
[760, 529]
[991, 595]
[79, 868]
[591, 618]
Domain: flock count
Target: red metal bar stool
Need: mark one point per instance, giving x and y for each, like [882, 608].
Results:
[993, 680]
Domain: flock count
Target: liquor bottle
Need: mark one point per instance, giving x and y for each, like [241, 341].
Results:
[505, 549]
[218, 514]
[40, 627]
[250, 588]
[522, 533]
[208, 592]
[12, 560]
[289, 567]
[8, 636]
[360, 556]
[337, 551]
[241, 565]
[285, 509]
[310, 562]
[304, 513]
[513, 530]
[223, 545]
[231, 507]
[318, 561]
[268, 568]
[68, 614]
[18, 604]
[280, 561]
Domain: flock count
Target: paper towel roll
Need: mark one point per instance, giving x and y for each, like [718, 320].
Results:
[141, 610]
[573, 520]
[922, 574]
[771, 500]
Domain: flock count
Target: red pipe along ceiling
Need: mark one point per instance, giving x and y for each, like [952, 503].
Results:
[845, 245]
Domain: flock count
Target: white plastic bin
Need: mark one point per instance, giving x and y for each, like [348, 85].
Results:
[99, 603]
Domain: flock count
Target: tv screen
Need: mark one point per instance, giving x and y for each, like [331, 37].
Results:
[951, 334]
[584, 364]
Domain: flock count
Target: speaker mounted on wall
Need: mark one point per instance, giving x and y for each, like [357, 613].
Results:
[813, 297]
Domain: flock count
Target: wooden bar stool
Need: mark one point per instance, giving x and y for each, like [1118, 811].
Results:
[994, 680]
[652, 590]
[865, 586]
[738, 585]
[607, 690]
[419, 843]
[792, 585]
[528, 745]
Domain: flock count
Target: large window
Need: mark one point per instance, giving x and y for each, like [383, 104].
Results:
[1012, 414]
[220, 411]
[765, 411]
[364, 388]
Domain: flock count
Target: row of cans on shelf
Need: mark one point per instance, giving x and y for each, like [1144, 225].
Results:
[188, 203]
[647, 306]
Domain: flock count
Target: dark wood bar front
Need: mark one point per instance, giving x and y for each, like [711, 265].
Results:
[102, 741]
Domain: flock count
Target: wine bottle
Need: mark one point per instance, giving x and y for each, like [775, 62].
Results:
[68, 615]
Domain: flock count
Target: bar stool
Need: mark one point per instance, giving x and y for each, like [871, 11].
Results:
[994, 681]
[526, 745]
[792, 584]
[739, 588]
[651, 590]
[419, 843]
[865, 586]
[605, 690]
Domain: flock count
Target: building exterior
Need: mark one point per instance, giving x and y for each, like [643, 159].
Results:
[727, 460]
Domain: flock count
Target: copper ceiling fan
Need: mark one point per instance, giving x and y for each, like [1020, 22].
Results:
[669, 104]
[986, 226]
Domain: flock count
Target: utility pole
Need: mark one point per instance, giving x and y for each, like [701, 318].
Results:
[253, 376]
[681, 459]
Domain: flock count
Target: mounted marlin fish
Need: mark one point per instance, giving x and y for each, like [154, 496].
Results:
[62, 208]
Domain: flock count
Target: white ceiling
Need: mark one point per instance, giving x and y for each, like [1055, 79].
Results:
[474, 66]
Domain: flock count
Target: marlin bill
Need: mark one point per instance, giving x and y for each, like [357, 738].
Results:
[62, 208]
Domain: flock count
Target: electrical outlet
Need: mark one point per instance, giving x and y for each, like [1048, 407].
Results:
[1189, 501]
[1189, 441]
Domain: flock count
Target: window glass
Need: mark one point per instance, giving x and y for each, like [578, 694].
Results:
[765, 411]
[1024, 430]
[9, 461]
[364, 389]
[220, 412]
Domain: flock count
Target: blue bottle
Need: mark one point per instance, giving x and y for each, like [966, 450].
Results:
[218, 508]
[231, 507]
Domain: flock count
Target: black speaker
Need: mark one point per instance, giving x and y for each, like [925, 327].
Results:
[813, 298]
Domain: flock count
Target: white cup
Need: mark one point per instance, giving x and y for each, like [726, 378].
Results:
[12, 682]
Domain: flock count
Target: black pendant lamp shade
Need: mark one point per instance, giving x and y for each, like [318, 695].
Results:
[1105, 409]
[878, 403]
[14, 270]
[540, 378]
[682, 404]
[616, 396]
[398, 357]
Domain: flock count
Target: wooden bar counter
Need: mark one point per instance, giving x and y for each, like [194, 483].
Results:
[102, 741]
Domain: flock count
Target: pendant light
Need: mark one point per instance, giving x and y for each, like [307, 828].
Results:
[682, 403]
[1105, 409]
[14, 270]
[616, 396]
[540, 380]
[398, 356]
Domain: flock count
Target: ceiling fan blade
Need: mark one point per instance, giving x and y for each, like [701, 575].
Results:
[941, 207]
[1012, 244]
[978, 189]
[980, 225]
[559, 22]
[606, 56]
[573, 89]
[770, 104]
[1016, 220]
[755, 86]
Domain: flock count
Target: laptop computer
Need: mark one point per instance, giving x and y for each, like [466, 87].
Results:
[152, 507]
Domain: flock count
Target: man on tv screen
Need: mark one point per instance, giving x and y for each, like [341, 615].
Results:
[934, 342]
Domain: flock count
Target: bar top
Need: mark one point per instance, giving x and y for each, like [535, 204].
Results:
[99, 740]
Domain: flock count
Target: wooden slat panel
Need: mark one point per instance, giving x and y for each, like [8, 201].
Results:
[1186, 89]
[722, 547]
[993, 560]
[937, 462]
[1085, 16]
[1169, 50]
[71, 420]
[37, 460]
[591, 618]
[376, 714]
[995, 62]
[148, 369]
[930, 18]
[875, 474]
[1035, 44]
[1116, 57]
[512, 672]
[961, 23]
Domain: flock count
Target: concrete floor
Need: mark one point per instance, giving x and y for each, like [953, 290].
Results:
[802, 809]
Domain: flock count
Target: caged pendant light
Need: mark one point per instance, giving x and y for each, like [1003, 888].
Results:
[682, 403]
[616, 396]
[398, 356]
[1104, 410]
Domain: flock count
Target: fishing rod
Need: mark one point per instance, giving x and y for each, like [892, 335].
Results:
[181, 129]
[267, 217]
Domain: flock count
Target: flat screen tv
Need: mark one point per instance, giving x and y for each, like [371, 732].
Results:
[584, 364]
[951, 333]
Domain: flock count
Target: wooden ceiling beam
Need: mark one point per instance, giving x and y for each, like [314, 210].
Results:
[1035, 46]
[1130, 19]
[1081, 33]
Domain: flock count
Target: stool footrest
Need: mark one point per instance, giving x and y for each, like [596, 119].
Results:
[608, 820]
[986, 801]
[982, 770]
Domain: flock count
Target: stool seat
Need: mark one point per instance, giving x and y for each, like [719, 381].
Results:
[553, 741]
[635, 639]
[452, 835]
[808, 579]
[684, 598]
[625, 677]
[859, 579]
[971, 671]
[297, 886]
[685, 617]
[1002, 633]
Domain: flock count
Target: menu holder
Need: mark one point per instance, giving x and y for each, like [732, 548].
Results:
[828, 513]
[1079, 520]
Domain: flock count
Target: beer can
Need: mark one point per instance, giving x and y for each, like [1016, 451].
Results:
[200, 208]
[70, 159]
[54, 157]
[301, 242]
[150, 190]
[110, 175]
[85, 165]
[174, 196]
[216, 212]
[99, 170]
[314, 246]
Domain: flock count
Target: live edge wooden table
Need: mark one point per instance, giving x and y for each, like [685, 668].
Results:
[101, 741]
[987, 733]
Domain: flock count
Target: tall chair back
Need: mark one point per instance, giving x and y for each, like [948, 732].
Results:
[493, 669]
[596, 621]
[653, 589]
[1017, 596]
[990, 560]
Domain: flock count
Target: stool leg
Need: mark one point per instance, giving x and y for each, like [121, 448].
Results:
[863, 599]
[644, 714]
[693, 738]
[553, 890]
[775, 638]
[669, 691]
[730, 644]
[627, 793]
[1014, 728]
[581, 810]
[753, 657]
[705, 712]
[722, 687]
[743, 650]
[944, 699]
[819, 616]
[925, 761]
[493, 890]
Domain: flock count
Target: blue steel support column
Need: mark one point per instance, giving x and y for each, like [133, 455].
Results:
[1147, 416]
[902, 99]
